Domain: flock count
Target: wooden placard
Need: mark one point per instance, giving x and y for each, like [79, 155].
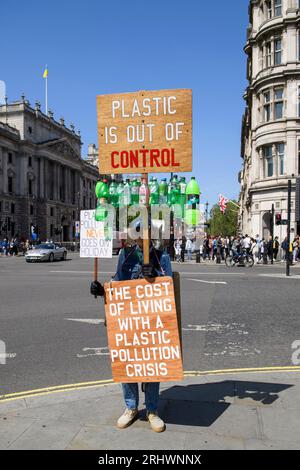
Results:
[145, 132]
[142, 331]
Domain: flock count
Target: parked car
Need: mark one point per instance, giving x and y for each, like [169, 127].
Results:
[46, 252]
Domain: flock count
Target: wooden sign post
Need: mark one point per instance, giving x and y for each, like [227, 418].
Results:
[142, 331]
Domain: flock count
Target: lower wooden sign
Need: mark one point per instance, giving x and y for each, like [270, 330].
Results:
[142, 331]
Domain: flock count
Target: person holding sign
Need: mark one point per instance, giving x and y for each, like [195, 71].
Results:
[130, 266]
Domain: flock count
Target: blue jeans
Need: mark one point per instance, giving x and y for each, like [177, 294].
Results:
[131, 396]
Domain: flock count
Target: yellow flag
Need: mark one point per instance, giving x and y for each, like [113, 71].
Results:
[45, 74]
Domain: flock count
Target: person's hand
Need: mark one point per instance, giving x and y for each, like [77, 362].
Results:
[147, 270]
[97, 289]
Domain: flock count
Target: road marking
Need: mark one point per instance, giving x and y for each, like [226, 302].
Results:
[92, 321]
[208, 282]
[281, 276]
[7, 356]
[96, 352]
[104, 383]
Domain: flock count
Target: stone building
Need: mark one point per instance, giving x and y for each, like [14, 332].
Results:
[43, 179]
[271, 123]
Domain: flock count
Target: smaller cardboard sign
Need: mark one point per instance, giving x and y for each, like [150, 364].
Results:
[94, 242]
[142, 331]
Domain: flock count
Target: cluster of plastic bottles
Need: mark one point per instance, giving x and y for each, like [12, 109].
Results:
[136, 191]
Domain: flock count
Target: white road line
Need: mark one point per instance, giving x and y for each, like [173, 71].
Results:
[208, 282]
[92, 321]
[280, 276]
[7, 356]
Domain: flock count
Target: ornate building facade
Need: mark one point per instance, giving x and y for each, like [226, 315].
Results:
[271, 123]
[44, 182]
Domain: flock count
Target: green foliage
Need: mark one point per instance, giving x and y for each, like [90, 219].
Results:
[224, 224]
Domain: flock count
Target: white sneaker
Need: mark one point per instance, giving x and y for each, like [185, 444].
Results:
[127, 418]
[156, 423]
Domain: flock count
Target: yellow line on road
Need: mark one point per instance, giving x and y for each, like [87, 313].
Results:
[103, 383]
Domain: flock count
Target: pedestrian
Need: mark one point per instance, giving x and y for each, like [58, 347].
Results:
[270, 248]
[247, 244]
[177, 248]
[183, 244]
[189, 248]
[130, 266]
[255, 250]
[275, 248]
[285, 248]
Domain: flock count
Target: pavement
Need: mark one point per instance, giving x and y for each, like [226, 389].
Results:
[235, 410]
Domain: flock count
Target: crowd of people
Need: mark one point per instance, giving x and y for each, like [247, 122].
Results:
[13, 247]
[263, 250]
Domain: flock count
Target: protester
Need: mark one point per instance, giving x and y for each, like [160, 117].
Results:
[130, 266]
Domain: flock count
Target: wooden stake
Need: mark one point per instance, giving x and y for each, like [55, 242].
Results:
[146, 241]
[95, 269]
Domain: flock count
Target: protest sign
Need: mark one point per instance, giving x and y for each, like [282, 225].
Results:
[142, 331]
[94, 242]
[145, 132]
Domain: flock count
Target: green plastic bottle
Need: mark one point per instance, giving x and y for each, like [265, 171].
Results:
[135, 189]
[182, 185]
[101, 210]
[192, 213]
[113, 196]
[154, 192]
[163, 191]
[98, 189]
[127, 193]
[120, 190]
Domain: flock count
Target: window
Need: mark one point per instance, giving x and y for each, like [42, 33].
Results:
[31, 209]
[12, 208]
[280, 153]
[278, 103]
[51, 212]
[9, 157]
[269, 161]
[271, 52]
[268, 54]
[30, 187]
[277, 7]
[10, 184]
[273, 8]
[267, 106]
[272, 104]
[51, 230]
[29, 161]
[277, 51]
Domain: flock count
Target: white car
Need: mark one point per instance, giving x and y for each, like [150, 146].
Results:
[46, 252]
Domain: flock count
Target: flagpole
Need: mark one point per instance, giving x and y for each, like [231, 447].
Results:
[46, 85]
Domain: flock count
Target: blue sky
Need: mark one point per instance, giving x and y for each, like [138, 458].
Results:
[98, 46]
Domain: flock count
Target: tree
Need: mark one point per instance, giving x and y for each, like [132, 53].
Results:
[224, 224]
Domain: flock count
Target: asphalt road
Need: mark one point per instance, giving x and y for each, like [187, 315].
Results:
[54, 334]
